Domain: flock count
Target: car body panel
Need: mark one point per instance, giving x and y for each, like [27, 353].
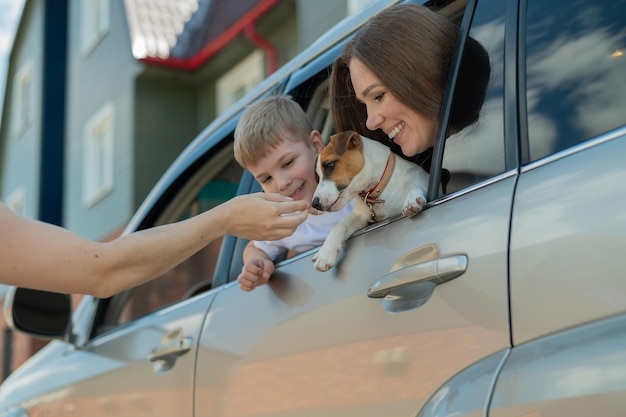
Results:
[568, 230]
[576, 373]
[112, 373]
[467, 393]
[319, 340]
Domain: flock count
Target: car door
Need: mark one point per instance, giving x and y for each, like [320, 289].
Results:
[317, 344]
[568, 286]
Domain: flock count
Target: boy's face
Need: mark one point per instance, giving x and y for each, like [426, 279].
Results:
[289, 168]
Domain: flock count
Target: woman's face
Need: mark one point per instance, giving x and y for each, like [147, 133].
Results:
[413, 132]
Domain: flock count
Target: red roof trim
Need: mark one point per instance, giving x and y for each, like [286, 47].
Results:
[216, 45]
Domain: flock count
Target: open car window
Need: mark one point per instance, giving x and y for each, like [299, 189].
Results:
[476, 153]
[214, 183]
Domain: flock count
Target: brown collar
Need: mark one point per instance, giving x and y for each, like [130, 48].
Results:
[372, 195]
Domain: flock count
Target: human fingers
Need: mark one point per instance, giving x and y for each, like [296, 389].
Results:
[268, 270]
[286, 205]
[251, 274]
[245, 286]
[247, 282]
[294, 206]
[286, 225]
[283, 228]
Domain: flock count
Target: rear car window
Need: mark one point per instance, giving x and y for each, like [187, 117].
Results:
[576, 72]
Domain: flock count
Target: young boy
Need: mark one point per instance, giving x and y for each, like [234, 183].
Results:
[276, 143]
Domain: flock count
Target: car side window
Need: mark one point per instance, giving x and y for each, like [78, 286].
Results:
[576, 66]
[477, 151]
[213, 184]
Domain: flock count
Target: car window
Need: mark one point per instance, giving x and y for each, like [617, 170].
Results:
[477, 151]
[575, 63]
[215, 182]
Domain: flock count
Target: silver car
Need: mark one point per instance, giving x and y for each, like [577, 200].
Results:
[530, 319]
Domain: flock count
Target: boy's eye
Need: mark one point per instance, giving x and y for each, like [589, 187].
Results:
[265, 180]
[288, 162]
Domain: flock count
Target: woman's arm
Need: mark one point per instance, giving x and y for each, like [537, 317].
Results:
[38, 255]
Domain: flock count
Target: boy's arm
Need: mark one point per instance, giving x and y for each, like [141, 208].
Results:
[257, 268]
[252, 252]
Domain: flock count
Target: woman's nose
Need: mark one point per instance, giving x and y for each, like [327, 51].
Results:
[374, 120]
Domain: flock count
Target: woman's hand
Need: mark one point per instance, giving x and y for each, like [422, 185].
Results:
[264, 216]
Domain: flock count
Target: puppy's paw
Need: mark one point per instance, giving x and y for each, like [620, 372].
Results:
[414, 203]
[326, 257]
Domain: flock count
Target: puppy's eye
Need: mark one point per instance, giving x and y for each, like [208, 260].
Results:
[329, 168]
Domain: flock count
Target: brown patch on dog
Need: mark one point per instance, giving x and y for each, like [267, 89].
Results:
[342, 159]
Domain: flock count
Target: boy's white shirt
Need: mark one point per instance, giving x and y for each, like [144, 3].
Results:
[310, 234]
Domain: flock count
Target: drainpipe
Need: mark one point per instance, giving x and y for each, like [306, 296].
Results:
[270, 50]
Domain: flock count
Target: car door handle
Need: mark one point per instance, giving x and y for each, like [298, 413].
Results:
[430, 273]
[171, 350]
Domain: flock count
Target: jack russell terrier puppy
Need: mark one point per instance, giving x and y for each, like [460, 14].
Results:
[353, 166]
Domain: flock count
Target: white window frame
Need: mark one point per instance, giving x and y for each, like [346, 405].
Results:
[98, 161]
[17, 201]
[240, 80]
[23, 101]
[94, 23]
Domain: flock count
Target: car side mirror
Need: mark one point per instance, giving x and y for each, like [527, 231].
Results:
[39, 313]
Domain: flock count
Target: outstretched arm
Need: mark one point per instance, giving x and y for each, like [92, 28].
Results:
[38, 255]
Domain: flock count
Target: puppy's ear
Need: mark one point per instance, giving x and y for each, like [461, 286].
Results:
[354, 141]
[343, 141]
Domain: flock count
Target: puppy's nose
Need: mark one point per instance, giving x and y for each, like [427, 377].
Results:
[316, 203]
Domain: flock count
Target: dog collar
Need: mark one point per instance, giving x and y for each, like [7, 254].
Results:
[372, 195]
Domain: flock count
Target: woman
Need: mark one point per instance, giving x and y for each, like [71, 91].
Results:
[389, 80]
[41, 256]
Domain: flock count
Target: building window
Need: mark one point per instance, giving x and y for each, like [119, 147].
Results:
[94, 23]
[17, 201]
[98, 156]
[237, 82]
[23, 101]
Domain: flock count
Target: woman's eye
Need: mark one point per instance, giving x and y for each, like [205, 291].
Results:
[379, 97]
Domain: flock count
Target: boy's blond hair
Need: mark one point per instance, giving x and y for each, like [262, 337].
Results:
[266, 124]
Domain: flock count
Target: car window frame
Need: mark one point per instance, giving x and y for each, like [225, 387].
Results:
[510, 104]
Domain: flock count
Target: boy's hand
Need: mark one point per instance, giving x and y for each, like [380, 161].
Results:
[255, 272]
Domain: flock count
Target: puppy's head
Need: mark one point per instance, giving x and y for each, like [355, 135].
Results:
[337, 164]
